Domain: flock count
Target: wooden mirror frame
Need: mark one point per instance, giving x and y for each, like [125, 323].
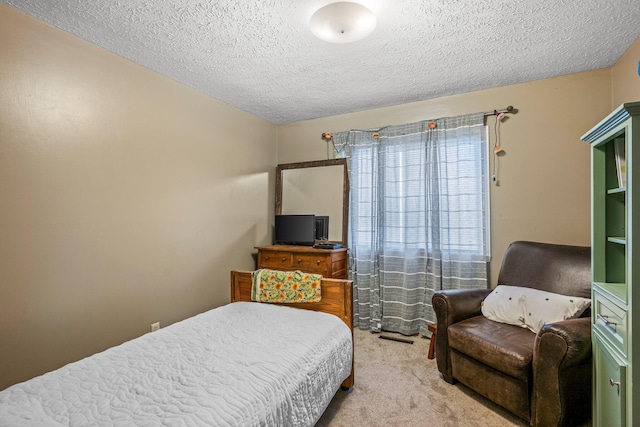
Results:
[315, 164]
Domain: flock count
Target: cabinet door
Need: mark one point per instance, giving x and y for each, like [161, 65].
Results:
[609, 386]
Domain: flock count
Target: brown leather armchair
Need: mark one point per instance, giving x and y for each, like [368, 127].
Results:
[544, 378]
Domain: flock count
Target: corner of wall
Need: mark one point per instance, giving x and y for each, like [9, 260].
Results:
[625, 81]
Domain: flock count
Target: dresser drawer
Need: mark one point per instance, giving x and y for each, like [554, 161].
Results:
[275, 260]
[611, 321]
[311, 263]
[339, 266]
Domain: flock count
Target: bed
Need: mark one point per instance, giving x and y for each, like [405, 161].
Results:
[242, 364]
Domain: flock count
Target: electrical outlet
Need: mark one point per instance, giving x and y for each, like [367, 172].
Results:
[155, 326]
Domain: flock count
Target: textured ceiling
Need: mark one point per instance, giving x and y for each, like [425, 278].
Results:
[261, 57]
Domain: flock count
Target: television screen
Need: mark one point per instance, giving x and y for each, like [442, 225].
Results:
[295, 229]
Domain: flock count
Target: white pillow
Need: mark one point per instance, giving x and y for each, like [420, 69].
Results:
[531, 308]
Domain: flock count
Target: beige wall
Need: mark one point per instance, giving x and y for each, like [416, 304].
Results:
[125, 198]
[625, 81]
[544, 177]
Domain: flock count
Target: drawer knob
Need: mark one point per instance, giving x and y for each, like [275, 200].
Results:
[299, 260]
[607, 322]
[615, 384]
[318, 262]
[284, 259]
[266, 258]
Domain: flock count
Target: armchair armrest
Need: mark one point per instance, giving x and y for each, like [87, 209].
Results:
[562, 373]
[452, 306]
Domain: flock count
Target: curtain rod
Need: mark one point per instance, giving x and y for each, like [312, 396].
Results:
[328, 135]
[509, 110]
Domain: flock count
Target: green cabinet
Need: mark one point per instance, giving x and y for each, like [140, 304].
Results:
[615, 266]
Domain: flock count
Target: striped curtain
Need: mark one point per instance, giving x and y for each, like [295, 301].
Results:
[418, 218]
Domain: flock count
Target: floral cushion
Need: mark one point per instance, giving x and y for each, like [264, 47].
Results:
[285, 286]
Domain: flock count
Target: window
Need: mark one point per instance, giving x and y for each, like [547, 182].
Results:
[411, 193]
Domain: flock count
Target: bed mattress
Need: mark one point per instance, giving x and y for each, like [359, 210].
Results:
[243, 364]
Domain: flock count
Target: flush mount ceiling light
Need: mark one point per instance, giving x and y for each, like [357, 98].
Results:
[342, 22]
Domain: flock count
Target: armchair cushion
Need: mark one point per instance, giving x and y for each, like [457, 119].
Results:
[506, 348]
[531, 308]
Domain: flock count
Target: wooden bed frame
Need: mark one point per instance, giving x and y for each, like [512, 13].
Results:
[337, 299]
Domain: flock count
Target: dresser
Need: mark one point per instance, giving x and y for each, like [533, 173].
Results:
[331, 263]
[615, 266]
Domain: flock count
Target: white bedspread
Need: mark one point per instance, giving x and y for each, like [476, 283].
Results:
[243, 364]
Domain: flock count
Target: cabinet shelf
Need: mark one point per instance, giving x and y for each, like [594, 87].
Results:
[619, 190]
[618, 240]
[616, 291]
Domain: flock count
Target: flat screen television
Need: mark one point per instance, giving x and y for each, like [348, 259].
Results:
[295, 230]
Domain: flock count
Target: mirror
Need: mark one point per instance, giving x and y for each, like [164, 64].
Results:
[320, 188]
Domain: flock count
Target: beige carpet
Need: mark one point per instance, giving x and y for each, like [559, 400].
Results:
[396, 385]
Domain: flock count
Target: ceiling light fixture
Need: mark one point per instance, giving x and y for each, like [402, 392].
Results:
[342, 22]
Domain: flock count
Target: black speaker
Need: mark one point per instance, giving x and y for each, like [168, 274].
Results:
[322, 227]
